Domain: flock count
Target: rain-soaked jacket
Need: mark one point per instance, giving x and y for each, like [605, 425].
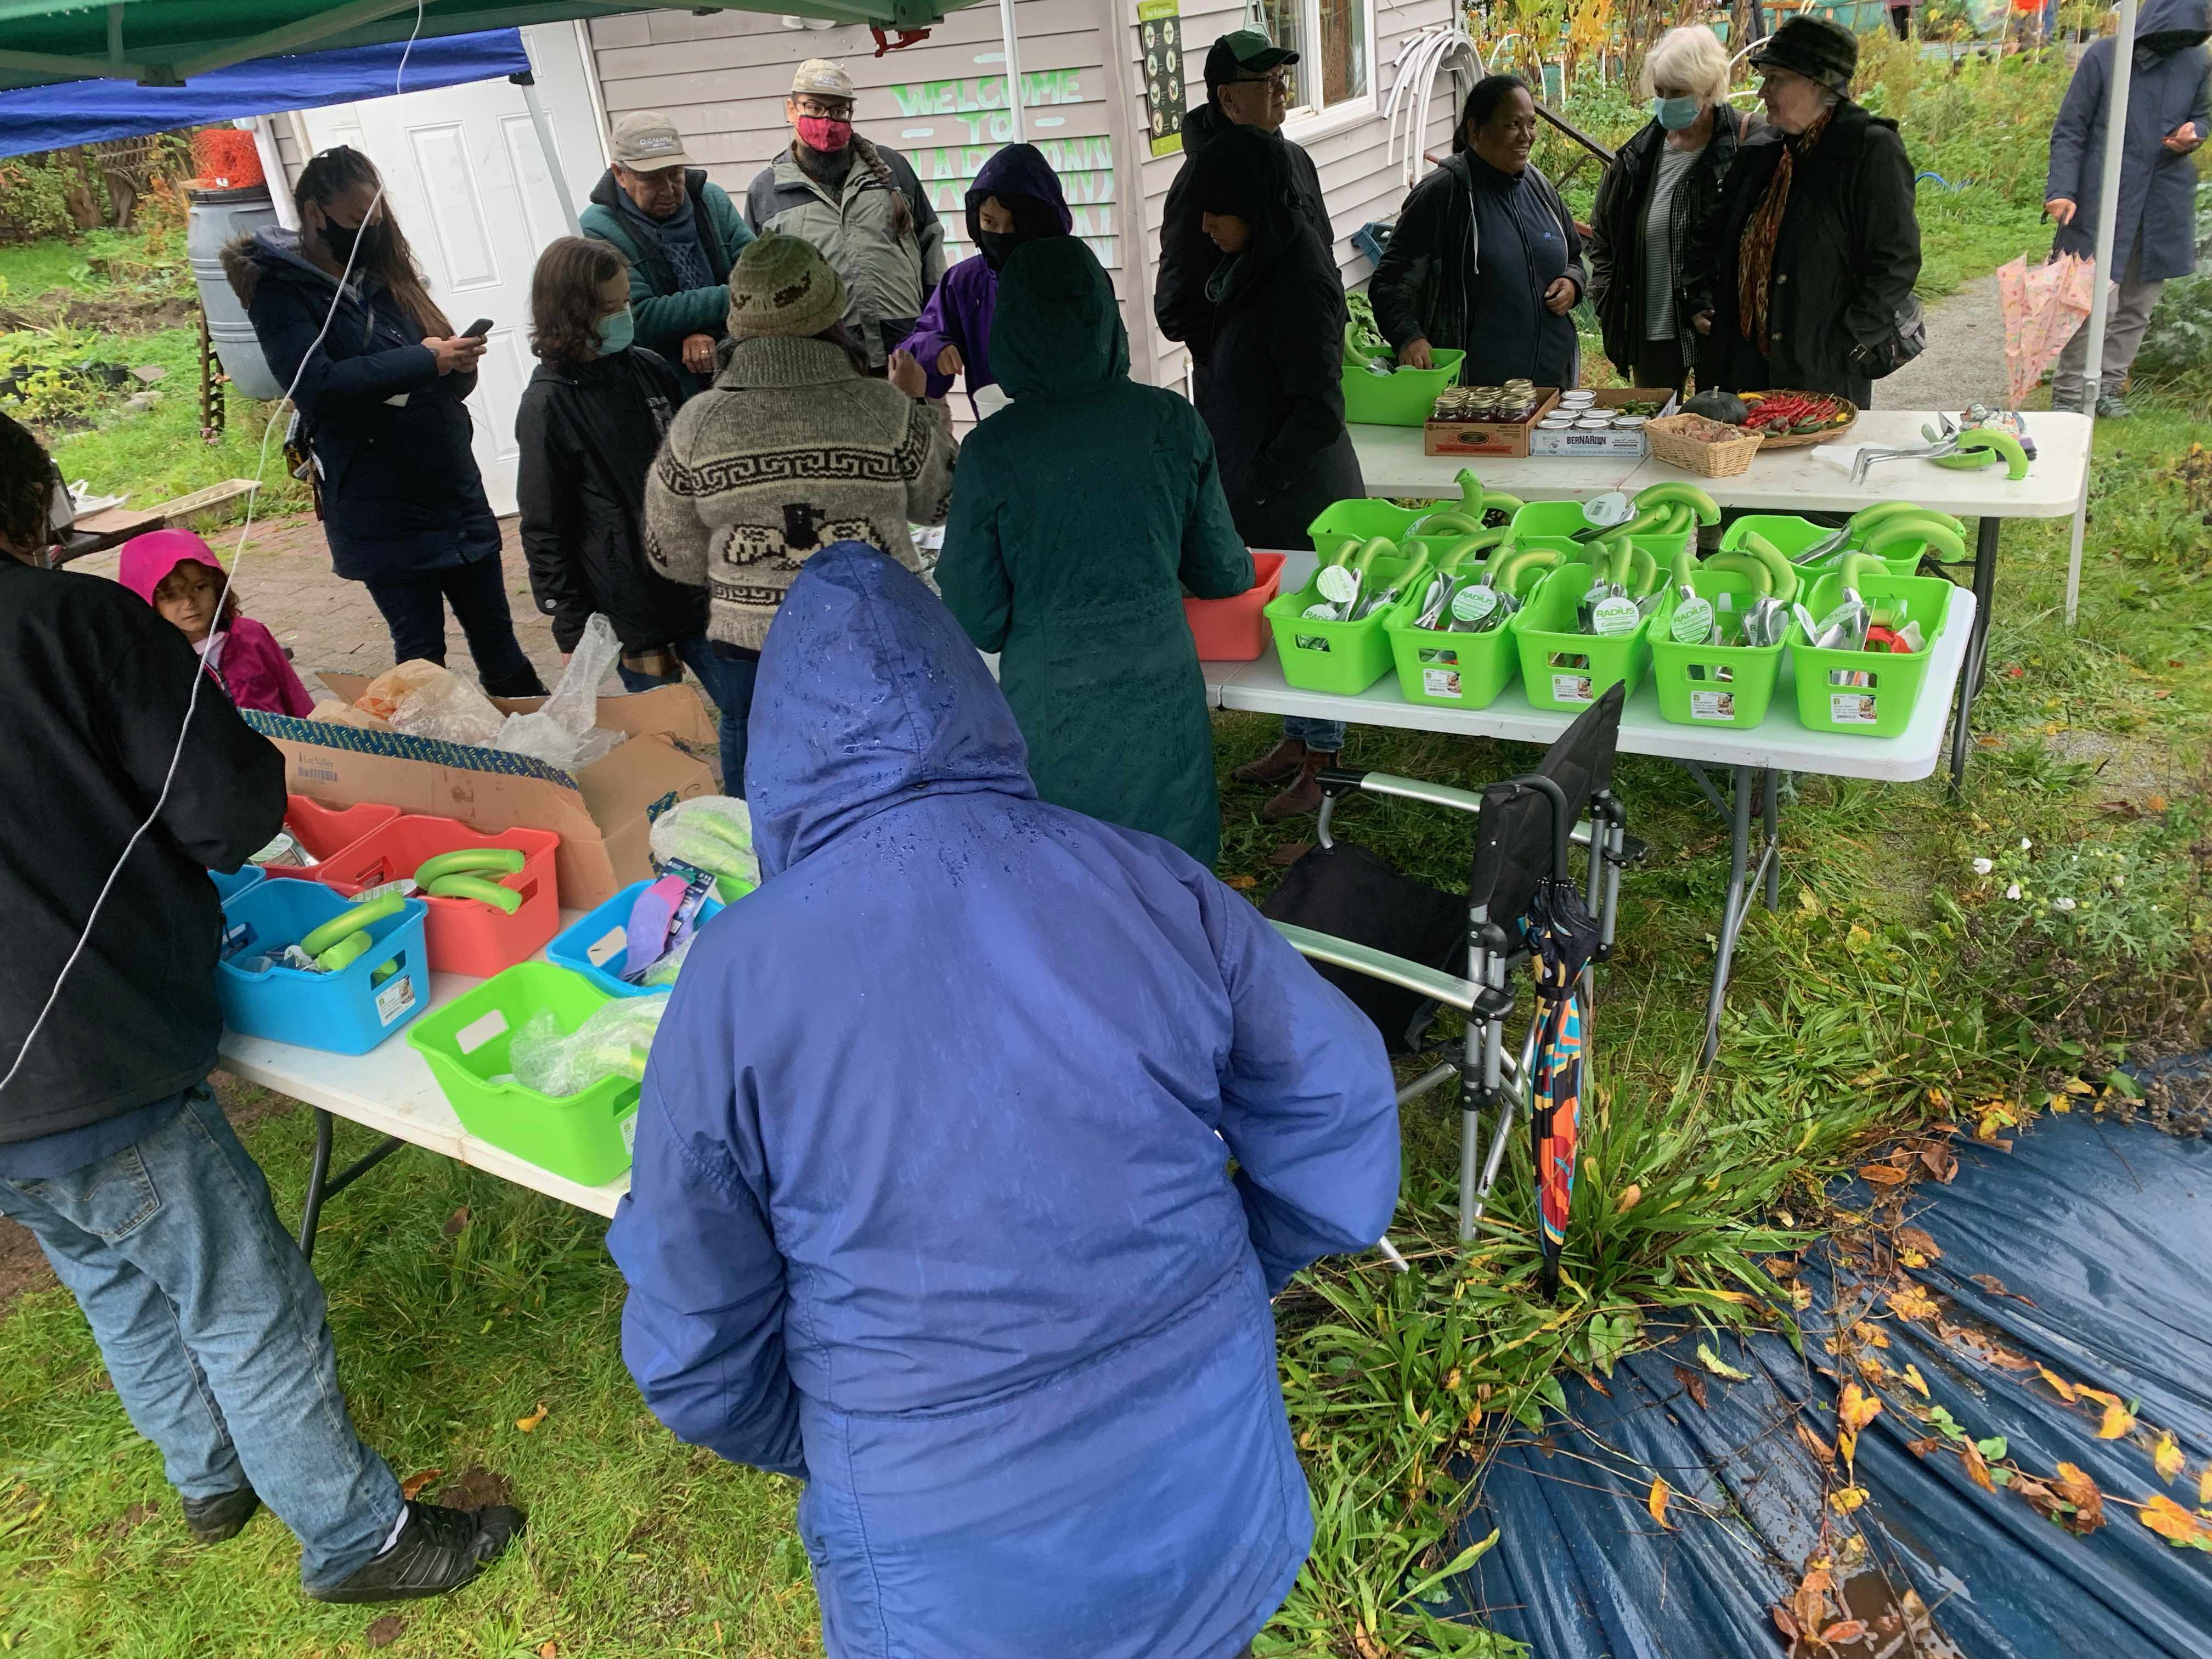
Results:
[1075, 510]
[928, 1208]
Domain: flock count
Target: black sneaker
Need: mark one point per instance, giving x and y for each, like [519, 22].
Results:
[438, 1550]
[212, 1520]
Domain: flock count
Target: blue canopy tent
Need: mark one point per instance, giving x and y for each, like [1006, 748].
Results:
[85, 111]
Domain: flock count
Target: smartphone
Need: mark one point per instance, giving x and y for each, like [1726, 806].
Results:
[477, 330]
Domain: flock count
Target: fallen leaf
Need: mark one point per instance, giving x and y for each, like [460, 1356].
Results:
[1911, 1302]
[547, 1650]
[1242, 884]
[2166, 1457]
[2065, 1389]
[1713, 1363]
[2076, 1086]
[1810, 1600]
[1882, 1175]
[1656, 1501]
[1942, 1166]
[2079, 1489]
[527, 1424]
[1845, 1499]
[454, 1223]
[1694, 1383]
[2204, 1488]
[1365, 1646]
[1784, 1623]
[1845, 1629]
[1820, 1448]
[1857, 1408]
[1914, 1381]
[411, 1487]
[2155, 803]
[383, 1632]
[1630, 1195]
[1977, 1469]
[2118, 1419]
[1872, 1369]
[1873, 1335]
[1921, 1447]
[2175, 1524]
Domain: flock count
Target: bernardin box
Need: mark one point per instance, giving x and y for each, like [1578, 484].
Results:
[1509, 438]
[1605, 446]
[603, 812]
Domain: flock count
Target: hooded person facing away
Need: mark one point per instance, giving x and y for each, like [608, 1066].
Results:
[1016, 199]
[1075, 512]
[929, 1209]
[1274, 399]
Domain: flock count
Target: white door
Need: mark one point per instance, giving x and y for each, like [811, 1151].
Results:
[464, 174]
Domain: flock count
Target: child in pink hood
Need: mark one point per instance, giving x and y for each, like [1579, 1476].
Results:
[176, 573]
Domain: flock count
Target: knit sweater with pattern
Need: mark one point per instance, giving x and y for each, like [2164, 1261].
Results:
[790, 449]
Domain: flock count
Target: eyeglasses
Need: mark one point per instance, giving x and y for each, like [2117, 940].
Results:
[1279, 82]
[839, 109]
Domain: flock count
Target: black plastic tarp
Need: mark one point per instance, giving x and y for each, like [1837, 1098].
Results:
[2085, 1251]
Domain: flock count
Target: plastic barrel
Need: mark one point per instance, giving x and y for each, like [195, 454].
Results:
[217, 216]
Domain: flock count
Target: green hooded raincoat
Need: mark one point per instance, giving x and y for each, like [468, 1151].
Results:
[1075, 510]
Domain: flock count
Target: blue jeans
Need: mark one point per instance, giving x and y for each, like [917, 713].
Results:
[212, 1326]
[728, 673]
[1326, 735]
[414, 609]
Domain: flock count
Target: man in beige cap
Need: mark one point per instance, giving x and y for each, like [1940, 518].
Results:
[679, 235]
[859, 202]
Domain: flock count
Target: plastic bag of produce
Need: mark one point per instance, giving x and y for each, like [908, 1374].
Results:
[614, 1042]
[714, 833]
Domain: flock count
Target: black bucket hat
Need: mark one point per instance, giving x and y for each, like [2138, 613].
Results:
[1815, 48]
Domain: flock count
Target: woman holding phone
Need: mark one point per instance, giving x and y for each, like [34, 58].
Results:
[379, 378]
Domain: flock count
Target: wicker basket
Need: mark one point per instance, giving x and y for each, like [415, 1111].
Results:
[1698, 445]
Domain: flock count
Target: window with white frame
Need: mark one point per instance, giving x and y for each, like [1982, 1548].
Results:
[1334, 40]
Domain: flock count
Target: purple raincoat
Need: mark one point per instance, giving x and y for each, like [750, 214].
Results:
[959, 312]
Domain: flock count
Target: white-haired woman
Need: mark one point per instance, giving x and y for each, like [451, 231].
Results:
[1661, 186]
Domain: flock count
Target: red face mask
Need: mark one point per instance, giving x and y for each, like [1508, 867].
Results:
[824, 132]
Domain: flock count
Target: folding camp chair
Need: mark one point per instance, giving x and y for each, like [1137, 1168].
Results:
[1525, 828]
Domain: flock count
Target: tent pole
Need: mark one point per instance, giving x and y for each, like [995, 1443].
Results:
[1013, 43]
[2108, 208]
[528, 85]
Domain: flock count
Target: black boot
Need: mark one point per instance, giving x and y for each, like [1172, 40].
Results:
[212, 1520]
[438, 1550]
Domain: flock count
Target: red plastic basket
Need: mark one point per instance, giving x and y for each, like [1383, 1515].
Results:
[226, 158]
[1234, 630]
[326, 831]
[465, 936]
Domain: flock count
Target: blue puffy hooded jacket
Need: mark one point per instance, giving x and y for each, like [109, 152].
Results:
[929, 1208]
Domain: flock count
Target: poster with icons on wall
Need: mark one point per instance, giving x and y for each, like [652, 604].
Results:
[1159, 33]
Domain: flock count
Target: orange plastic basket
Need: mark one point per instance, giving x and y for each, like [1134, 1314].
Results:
[225, 158]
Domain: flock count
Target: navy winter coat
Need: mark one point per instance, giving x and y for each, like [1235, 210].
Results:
[401, 492]
[2158, 188]
[928, 1207]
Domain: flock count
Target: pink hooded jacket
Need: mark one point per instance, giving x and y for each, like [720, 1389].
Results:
[249, 663]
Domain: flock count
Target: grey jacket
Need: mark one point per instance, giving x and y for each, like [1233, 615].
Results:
[889, 274]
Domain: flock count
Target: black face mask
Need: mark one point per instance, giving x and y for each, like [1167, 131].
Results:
[342, 242]
[998, 246]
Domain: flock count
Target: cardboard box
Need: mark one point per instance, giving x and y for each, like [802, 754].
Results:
[603, 813]
[1604, 446]
[1487, 437]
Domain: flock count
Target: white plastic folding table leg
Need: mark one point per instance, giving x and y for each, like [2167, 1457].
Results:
[1746, 882]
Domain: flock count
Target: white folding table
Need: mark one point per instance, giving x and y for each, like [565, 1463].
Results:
[1756, 758]
[1791, 481]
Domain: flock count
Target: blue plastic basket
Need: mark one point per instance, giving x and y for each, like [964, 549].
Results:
[347, 1012]
[228, 887]
[597, 946]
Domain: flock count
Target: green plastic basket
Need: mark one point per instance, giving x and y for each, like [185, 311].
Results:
[1342, 657]
[1883, 707]
[1791, 535]
[1564, 669]
[1548, 522]
[1448, 669]
[1687, 676]
[1405, 398]
[1361, 520]
[585, 1137]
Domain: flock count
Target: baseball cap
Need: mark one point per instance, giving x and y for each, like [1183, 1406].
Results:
[1812, 47]
[822, 78]
[1242, 52]
[646, 140]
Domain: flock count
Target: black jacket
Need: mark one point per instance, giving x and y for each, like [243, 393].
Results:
[1186, 258]
[587, 433]
[401, 492]
[1843, 267]
[95, 685]
[1273, 396]
[1616, 232]
[1492, 307]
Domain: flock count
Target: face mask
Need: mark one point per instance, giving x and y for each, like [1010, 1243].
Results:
[822, 132]
[1674, 114]
[342, 242]
[997, 245]
[616, 330]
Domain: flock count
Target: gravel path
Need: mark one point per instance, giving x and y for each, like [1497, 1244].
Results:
[1964, 359]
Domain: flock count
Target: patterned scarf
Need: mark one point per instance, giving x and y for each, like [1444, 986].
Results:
[1754, 263]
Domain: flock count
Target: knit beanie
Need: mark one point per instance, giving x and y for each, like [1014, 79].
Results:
[782, 285]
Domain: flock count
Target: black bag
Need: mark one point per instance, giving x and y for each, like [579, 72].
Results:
[1907, 339]
[1355, 894]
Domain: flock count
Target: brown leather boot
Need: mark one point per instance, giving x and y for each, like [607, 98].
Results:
[1304, 795]
[1279, 765]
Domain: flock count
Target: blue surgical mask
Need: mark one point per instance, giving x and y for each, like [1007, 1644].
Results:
[1674, 114]
[617, 331]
